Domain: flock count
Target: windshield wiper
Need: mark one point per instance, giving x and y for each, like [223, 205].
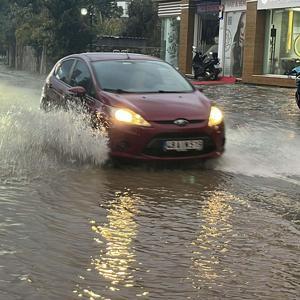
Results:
[118, 91]
[166, 91]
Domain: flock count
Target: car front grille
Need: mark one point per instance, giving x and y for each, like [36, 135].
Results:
[171, 122]
[155, 146]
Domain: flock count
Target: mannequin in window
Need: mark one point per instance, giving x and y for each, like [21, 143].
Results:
[237, 50]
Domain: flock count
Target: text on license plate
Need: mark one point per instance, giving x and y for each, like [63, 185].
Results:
[184, 145]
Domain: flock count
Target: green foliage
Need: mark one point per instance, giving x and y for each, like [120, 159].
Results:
[143, 21]
[59, 26]
[68, 30]
[110, 27]
[108, 9]
[7, 26]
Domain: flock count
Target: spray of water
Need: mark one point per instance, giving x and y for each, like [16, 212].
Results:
[32, 138]
[261, 151]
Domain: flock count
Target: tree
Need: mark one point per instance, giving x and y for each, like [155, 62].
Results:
[108, 9]
[143, 21]
[56, 24]
[59, 27]
[67, 28]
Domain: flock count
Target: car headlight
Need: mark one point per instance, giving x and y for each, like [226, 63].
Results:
[215, 117]
[130, 117]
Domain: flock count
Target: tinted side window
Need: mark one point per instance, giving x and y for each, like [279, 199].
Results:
[81, 76]
[63, 71]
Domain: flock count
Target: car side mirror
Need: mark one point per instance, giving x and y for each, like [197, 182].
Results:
[200, 89]
[78, 91]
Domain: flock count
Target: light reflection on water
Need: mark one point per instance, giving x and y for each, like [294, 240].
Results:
[116, 259]
[213, 240]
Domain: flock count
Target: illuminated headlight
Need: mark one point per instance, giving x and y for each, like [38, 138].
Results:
[128, 116]
[215, 117]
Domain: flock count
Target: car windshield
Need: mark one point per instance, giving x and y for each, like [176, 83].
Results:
[140, 76]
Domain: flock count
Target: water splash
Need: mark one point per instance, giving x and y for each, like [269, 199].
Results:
[32, 138]
[261, 151]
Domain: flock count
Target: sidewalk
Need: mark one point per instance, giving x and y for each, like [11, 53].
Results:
[222, 80]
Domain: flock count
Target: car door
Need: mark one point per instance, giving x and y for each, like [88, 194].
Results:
[81, 76]
[59, 82]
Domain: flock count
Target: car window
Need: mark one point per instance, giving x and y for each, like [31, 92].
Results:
[63, 71]
[81, 76]
[138, 76]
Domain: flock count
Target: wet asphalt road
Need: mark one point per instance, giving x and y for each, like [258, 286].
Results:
[71, 228]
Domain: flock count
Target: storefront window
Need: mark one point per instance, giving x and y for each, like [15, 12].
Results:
[206, 36]
[282, 46]
[170, 40]
[234, 43]
[208, 32]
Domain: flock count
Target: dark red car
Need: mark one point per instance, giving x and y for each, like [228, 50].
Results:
[150, 110]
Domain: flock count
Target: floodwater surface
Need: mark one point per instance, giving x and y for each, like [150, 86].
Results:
[72, 227]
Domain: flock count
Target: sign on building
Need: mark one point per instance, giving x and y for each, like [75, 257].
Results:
[234, 5]
[271, 4]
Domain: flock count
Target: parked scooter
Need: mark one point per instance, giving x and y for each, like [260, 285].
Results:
[206, 68]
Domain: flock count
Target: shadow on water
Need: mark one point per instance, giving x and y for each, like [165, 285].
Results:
[155, 166]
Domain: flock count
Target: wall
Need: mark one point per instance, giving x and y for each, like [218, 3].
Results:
[186, 36]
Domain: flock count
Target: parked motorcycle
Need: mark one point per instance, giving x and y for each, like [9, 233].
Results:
[206, 68]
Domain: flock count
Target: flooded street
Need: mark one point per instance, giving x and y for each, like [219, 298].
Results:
[71, 228]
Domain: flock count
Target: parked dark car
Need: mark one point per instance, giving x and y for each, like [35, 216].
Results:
[150, 110]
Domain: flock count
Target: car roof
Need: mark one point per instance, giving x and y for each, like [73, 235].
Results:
[100, 56]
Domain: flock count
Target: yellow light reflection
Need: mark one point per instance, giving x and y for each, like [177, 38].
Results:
[212, 241]
[114, 263]
[116, 259]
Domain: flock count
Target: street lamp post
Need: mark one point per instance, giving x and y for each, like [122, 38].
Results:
[90, 11]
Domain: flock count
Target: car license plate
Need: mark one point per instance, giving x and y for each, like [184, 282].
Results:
[185, 145]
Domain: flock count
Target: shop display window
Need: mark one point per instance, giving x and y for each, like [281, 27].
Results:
[282, 46]
[170, 40]
[234, 43]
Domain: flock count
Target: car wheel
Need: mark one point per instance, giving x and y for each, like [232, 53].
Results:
[208, 75]
[45, 104]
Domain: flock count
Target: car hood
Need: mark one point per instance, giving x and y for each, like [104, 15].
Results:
[162, 107]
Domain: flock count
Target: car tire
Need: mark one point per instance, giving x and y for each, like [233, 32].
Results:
[208, 75]
[45, 104]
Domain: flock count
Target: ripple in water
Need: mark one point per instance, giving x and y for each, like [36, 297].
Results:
[31, 139]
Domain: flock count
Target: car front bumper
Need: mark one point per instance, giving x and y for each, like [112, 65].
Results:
[146, 143]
